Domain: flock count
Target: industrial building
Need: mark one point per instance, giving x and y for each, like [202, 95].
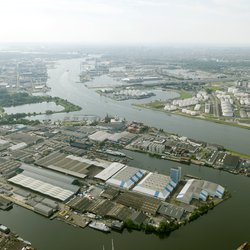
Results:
[8, 167]
[119, 212]
[108, 172]
[175, 174]
[22, 193]
[5, 204]
[123, 137]
[199, 189]
[231, 162]
[43, 209]
[50, 203]
[127, 177]
[170, 210]
[139, 218]
[156, 148]
[226, 107]
[23, 156]
[24, 137]
[72, 165]
[110, 193]
[46, 182]
[98, 206]
[139, 202]
[156, 185]
[99, 136]
[80, 204]
[4, 144]
[18, 146]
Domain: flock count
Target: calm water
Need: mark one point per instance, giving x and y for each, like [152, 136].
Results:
[34, 107]
[64, 82]
[225, 227]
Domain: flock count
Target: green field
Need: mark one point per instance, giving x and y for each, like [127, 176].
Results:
[184, 94]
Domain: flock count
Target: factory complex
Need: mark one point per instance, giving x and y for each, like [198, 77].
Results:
[82, 179]
[112, 191]
[52, 184]
[156, 185]
[199, 189]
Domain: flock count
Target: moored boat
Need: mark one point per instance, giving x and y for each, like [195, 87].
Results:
[99, 226]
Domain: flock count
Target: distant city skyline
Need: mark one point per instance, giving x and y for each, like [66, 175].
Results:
[222, 22]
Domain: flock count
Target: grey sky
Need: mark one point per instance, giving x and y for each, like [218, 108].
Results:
[126, 21]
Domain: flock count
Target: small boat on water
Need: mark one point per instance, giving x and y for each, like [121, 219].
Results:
[115, 153]
[4, 229]
[5, 204]
[99, 226]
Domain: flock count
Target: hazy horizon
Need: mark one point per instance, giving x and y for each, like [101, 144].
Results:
[126, 22]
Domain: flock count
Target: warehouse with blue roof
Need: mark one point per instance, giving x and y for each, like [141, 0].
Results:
[199, 189]
[156, 185]
[127, 177]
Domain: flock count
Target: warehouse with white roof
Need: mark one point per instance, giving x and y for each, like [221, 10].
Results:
[111, 170]
[199, 189]
[46, 182]
[127, 177]
[156, 185]
[99, 136]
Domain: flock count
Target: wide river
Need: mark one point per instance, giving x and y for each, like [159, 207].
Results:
[225, 227]
[64, 82]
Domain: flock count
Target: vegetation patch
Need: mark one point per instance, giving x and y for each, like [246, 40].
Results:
[184, 94]
[8, 99]
[164, 229]
[200, 211]
[17, 119]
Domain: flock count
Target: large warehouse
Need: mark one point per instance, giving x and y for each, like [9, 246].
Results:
[123, 137]
[99, 136]
[72, 165]
[199, 189]
[111, 170]
[156, 185]
[46, 182]
[127, 177]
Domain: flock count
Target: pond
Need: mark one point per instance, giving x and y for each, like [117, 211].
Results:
[34, 107]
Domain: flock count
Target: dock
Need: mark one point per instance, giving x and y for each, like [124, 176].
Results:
[189, 176]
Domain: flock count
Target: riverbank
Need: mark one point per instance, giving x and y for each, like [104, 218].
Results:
[165, 228]
[188, 161]
[192, 234]
[245, 156]
[11, 241]
[66, 85]
[94, 197]
[159, 107]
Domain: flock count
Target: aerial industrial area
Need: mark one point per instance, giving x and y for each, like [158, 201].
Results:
[24, 74]
[78, 174]
[79, 169]
[124, 125]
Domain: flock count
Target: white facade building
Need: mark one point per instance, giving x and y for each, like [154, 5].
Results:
[199, 189]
